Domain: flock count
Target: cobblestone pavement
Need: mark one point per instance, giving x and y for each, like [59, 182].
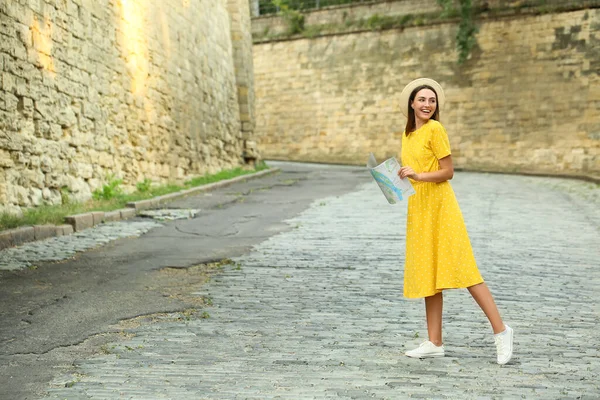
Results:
[63, 247]
[317, 311]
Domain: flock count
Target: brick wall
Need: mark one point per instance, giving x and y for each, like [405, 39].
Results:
[526, 101]
[136, 88]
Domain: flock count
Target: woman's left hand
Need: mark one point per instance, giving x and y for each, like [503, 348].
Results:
[407, 172]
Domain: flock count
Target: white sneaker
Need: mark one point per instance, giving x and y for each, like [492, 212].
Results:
[426, 350]
[504, 345]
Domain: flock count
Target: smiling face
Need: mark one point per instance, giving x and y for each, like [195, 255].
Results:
[424, 105]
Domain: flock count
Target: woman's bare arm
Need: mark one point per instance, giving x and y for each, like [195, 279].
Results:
[445, 173]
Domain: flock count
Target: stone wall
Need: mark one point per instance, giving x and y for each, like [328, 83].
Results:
[128, 88]
[526, 101]
[272, 24]
[242, 44]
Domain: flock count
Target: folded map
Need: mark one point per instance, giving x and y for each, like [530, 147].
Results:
[386, 176]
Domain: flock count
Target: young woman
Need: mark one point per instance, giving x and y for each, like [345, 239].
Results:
[438, 251]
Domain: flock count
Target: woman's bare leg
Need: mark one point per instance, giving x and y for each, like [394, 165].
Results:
[433, 308]
[482, 295]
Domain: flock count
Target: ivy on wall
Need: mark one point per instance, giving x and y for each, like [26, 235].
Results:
[294, 18]
[465, 38]
[290, 10]
[451, 10]
[270, 6]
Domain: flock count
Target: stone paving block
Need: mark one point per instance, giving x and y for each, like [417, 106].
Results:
[98, 217]
[169, 197]
[142, 204]
[6, 240]
[112, 215]
[44, 231]
[188, 192]
[67, 229]
[80, 221]
[127, 213]
[23, 235]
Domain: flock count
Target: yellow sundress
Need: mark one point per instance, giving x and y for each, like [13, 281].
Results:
[438, 251]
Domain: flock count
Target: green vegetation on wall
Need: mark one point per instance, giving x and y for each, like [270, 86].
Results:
[462, 11]
[271, 6]
[291, 11]
[294, 18]
[465, 38]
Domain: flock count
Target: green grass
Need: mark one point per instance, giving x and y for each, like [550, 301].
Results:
[223, 175]
[110, 198]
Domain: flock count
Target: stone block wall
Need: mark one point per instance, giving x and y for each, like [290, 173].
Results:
[527, 100]
[128, 88]
[243, 63]
[273, 24]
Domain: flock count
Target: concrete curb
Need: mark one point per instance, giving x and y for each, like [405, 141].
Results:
[154, 202]
[79, 222]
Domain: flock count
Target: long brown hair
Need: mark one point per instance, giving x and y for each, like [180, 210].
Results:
[411, 124]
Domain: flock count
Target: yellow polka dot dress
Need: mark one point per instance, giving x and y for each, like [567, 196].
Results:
[438, 251]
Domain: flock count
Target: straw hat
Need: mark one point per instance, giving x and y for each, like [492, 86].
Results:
[416, 83]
